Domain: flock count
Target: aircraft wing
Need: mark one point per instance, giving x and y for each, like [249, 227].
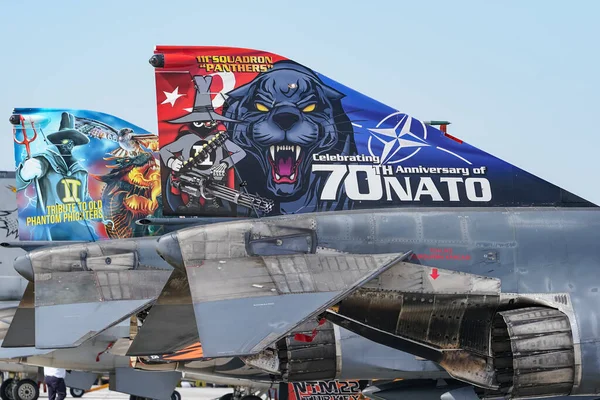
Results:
[277, 293]
[83, 289]
[264, 272]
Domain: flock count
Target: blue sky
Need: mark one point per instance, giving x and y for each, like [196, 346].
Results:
[517, 79]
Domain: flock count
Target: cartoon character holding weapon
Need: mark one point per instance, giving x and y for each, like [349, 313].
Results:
[59, 179]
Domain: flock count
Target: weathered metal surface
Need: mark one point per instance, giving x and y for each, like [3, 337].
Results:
[413, 278]
[243, 238]
[248, 277]
[533, 356]
[307, 361]
[98, 272]
[82, 289]
[276, 292]
[460, 364]
[117, 262]
[88, 286]
[533, 353]
[405, 301]
[530, 250]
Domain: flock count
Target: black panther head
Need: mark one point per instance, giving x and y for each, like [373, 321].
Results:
[288, 115]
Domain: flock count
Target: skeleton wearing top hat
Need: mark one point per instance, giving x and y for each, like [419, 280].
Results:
[60, 179]
[201, 125]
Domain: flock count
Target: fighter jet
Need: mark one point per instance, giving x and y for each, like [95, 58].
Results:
[349, 215]
[381, 225]
[124, 278]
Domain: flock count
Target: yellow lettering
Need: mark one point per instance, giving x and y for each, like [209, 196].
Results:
[71, 187]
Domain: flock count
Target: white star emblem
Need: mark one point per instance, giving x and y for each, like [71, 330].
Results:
[394, 141]
[172, 97]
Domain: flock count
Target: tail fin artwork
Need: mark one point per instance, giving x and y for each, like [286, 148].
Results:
[83, 175]
[231, 119]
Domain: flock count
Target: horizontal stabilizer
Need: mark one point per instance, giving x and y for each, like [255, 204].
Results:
[83, 289]
[173, 308]
[277, 293]
[72, 324]
[18, 319]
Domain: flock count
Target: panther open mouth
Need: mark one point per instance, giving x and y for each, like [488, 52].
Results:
[285, 160]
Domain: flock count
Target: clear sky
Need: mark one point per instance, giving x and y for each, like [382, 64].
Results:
[517, 79]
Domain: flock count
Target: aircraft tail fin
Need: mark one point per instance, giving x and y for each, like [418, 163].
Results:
[114, 180]
[231, 119]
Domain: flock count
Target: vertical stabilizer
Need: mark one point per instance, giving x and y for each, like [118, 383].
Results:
[245, 132]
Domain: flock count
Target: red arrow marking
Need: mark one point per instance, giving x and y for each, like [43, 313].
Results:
[434, 273]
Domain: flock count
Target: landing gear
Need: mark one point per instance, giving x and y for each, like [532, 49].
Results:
[242, 393]
[26, 389]
[6, 389]
[76, 392]
[174, 396]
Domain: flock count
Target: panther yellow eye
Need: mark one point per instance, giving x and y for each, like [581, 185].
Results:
[261, 107]
[309, 108]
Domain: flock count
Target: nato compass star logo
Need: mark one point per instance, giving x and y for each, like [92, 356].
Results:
[402, 141]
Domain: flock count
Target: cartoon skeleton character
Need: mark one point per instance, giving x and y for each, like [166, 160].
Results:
[201, 125]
